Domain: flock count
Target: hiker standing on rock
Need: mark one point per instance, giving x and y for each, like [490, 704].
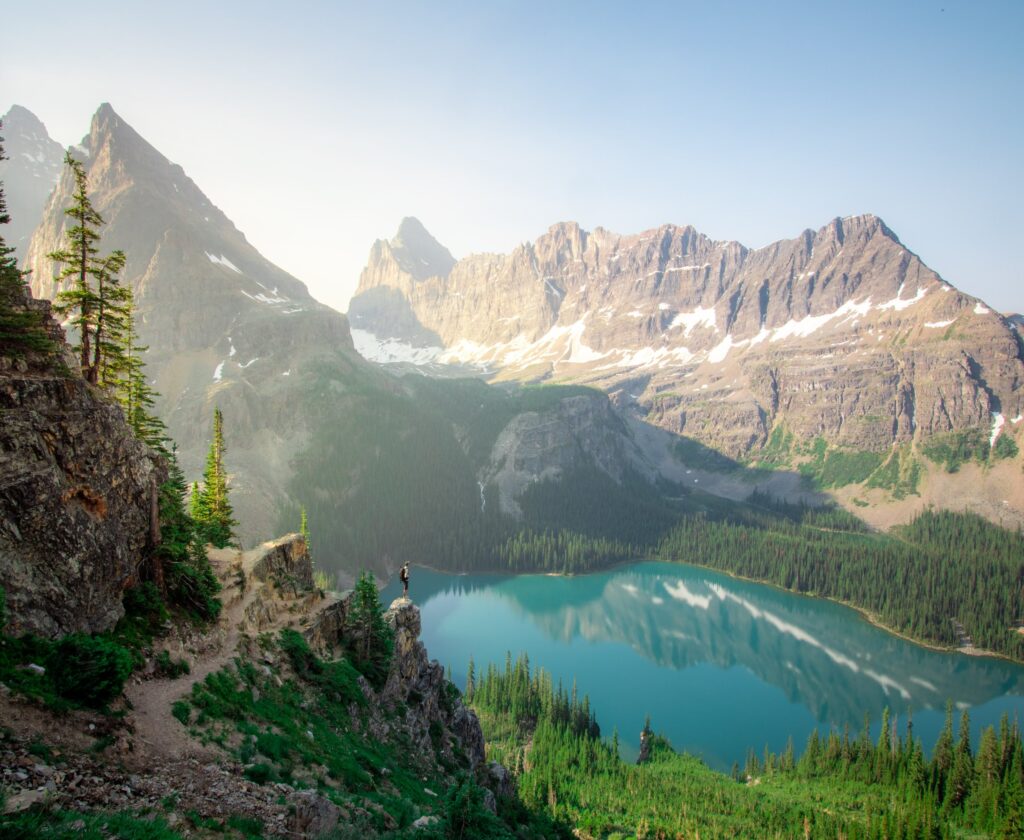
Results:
[404, 577]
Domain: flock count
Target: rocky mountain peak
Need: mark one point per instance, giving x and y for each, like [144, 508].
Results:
[840, 332]
[32, 167]
[21, 119]
[419, 253]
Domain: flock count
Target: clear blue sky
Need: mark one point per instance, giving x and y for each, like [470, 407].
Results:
[316, 127]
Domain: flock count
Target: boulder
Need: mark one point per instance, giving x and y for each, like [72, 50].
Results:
[286, 562]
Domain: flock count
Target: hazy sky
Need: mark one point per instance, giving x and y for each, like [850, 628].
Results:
[316, 126]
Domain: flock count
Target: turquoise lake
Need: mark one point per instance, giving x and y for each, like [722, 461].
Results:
[720, 665]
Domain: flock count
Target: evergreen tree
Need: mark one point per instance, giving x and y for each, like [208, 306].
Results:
[135, 394]
[113, 313]
[304, 531]
[961, 774]
[942, 755]
[93, 306]
[210, 507]
[368, 636]
[187, 577]
[21, 328]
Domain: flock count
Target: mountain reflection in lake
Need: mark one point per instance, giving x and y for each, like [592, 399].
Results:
[720, 665]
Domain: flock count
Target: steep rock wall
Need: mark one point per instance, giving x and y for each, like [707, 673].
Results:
[77, 499]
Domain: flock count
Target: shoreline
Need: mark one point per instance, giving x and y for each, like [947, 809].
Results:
[868, 616]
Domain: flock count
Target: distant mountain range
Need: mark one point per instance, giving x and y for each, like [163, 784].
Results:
[836, 351]
[827, 365]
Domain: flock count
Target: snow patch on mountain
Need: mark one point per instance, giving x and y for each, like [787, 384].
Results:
[898, 303]
[390, 350]
[220, 259]
[998, 421]
[690, 320]
[803, 327]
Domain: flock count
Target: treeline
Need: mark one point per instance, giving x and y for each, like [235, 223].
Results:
[942, 567]
[560, 551]
[842, 786]
[980, 791]
[529, 698]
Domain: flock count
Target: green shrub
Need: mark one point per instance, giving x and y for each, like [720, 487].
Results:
[467, 816]
[249, 826]
[170, 668]
[194, 587]
[1006, 447]
[89, 669]
[259, 773]
[144, 608]
[957, 448]
[182, 711]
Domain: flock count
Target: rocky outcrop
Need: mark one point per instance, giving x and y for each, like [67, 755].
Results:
[418, 686]
[542, 445]
[841, 332]
[284, 561]
[78, 499]
[430, 712]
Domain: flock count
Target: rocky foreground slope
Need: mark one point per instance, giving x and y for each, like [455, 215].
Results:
[189, 769]
[78, 497]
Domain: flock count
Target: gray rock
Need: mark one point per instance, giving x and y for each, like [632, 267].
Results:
[313, 815]
[23, 800]
[425, 821]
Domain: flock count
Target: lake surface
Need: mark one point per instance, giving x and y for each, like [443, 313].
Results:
[719, 664]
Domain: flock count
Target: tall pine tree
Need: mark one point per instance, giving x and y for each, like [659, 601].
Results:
[21, 328]
[211, 509]
[183, 569]
[127, 375]
[91, 300]
[304, 531]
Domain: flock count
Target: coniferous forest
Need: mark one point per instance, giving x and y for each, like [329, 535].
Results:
[843, 785]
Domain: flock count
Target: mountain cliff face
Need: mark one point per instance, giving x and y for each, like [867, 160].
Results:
[29, 174]
[78, 498]
[841, 332]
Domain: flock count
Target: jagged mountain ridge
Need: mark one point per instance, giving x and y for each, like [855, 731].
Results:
[840, 332]
[29, 174]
